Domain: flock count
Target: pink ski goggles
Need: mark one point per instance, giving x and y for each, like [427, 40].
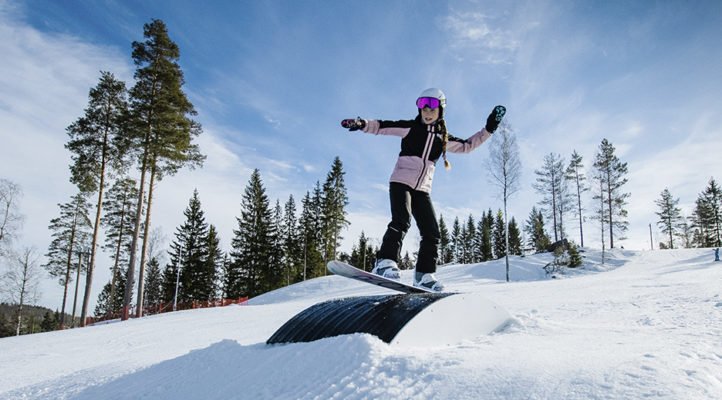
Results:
[430, 102]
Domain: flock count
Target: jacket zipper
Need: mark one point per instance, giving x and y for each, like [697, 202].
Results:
[427, 151]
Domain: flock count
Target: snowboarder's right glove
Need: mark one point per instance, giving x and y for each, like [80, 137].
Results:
[495, 118]
[354, 124]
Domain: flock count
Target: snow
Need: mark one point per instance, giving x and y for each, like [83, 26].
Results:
[643, 325]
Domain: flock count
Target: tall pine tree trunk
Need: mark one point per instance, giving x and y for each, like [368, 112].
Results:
[67, 274]
[96, 229]
[141, 272]
[117, 252]
[611, 218]
[129, 280]
[579, 206]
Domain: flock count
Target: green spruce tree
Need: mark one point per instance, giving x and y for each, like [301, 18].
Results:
[515, 242]
[333, 209]
[445, 251]
[251, 242]
[153, 282]
[190, 249]
[534, 228]
[499, 236]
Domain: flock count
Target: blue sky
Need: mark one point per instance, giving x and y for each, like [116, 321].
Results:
[271, 81]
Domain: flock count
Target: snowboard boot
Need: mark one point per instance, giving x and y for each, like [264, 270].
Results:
[427, 281]
[386, 268]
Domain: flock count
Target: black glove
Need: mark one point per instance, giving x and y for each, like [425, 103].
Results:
[354, 124]
[495, 118]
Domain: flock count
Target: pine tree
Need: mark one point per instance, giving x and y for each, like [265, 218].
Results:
[153, 281]
[612, 173]
[111, 301]
[406, 262]
[190, 250]
[310, 229]
[292, 251]
[551, 184]
[534, 228]
[362, 255]
[574, 173]
[669, 215]
[477, 241]
[71, 234]
[50, 322]
[709, 215]
[274, 276]
[686, 232]
[333, 206]
[499, 236]
[487, 227]
[469, 234]
[120, 209]
[575, 259]
[514, 238]
[600, 213]
[445, 252]
[252, 241]
[96, 144]
[170, 279]
[161, 128]
[456, 241]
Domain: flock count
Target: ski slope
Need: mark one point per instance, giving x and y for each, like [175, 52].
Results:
[643, 325]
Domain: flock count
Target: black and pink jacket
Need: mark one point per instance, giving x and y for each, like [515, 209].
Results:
[421, 147]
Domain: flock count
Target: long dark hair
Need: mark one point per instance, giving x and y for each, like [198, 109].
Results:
[441, 123]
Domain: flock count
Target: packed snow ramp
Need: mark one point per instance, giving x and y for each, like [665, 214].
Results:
[423, 319]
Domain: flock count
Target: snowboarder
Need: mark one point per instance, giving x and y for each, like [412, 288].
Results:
[423, 140]
[716, 254]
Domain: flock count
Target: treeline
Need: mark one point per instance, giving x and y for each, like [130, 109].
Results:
[271, 247]
[34, 320]
[702, 228]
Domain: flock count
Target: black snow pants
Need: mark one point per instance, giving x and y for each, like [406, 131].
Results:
[406, 202]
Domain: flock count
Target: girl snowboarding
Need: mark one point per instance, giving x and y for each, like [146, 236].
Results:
[423, 140]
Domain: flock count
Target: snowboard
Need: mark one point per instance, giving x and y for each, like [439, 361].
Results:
[346, 270]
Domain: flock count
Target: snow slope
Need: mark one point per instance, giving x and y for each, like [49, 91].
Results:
[643, 325]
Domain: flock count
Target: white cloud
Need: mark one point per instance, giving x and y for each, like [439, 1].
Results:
[44, 84]
[473, 35]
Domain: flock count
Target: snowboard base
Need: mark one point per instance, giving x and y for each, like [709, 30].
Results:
[346, 270]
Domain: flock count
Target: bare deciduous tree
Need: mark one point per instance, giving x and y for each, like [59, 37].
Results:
[505, 172]
[10, 218]
[20, 281]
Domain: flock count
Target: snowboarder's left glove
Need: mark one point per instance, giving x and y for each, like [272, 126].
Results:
[495, 118]
[354, 124]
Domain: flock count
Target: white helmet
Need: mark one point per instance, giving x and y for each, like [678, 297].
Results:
[436, 94]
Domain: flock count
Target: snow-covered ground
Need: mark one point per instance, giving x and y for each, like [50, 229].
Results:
[644, 325]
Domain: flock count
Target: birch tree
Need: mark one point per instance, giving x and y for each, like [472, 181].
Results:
[505, 170]
[21, 281]
[10, 218]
